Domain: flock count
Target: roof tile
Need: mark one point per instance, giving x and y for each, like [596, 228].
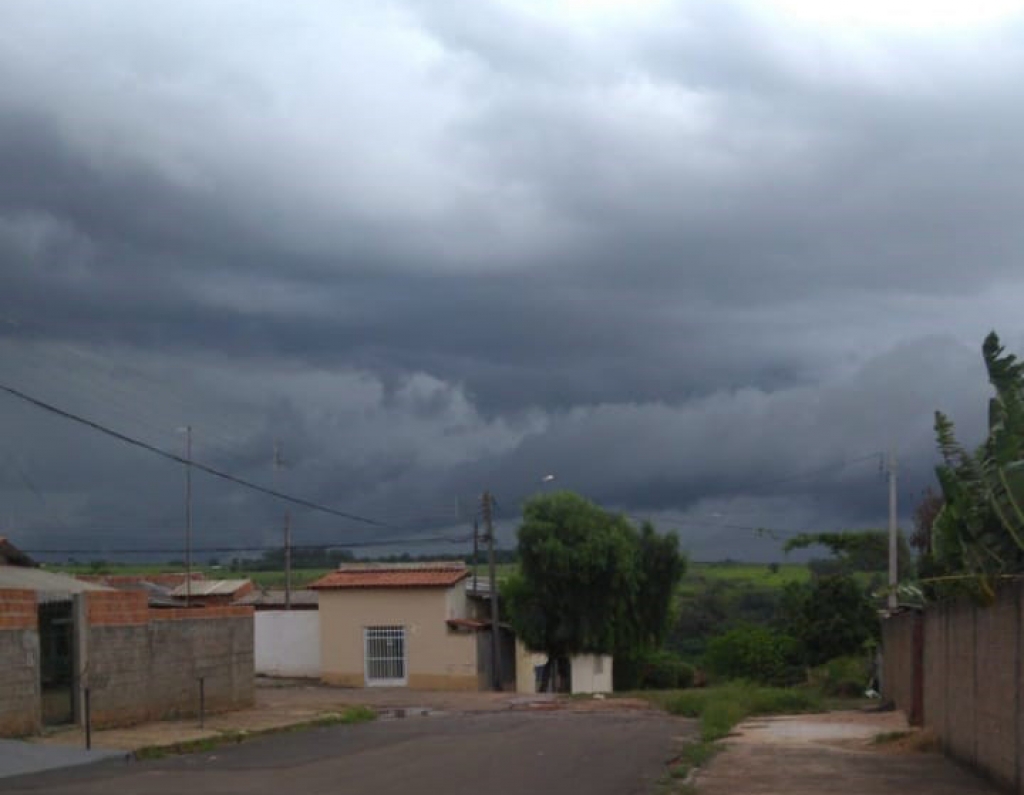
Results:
[426, 577]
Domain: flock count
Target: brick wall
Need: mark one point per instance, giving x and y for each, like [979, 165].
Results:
[19, 664]
[146, 664]
[971, 677]
[116, 608]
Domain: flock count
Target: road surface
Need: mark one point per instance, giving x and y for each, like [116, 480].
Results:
[507, 753]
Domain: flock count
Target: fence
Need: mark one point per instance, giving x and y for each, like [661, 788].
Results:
[957, 669]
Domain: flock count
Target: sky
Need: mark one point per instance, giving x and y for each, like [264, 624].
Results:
[701, 261]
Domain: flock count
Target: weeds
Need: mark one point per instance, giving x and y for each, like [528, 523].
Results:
[349, 716]
[721, 708]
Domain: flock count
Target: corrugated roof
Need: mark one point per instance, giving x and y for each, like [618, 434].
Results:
[210, 587]
[49, 584]
[276, 598]
[424, 575]
[13, 555]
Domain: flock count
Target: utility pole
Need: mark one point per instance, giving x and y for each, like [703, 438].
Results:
[188, 516]
[893, 534]
[278, 463]
[476, 550]
[488, 514]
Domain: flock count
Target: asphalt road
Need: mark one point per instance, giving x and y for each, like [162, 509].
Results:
[598, 753]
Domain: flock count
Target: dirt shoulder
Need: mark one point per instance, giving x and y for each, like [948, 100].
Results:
[833, 753]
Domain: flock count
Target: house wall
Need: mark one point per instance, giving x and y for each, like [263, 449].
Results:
[438, 658]
[287, 642]
[970, 674]
[146, 664]
[20, 697]
[591, 673]
[526, 664]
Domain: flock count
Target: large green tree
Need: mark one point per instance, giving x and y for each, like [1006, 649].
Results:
[589, 581]
[829, 617]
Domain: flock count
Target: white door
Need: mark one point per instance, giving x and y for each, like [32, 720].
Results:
[384, 654]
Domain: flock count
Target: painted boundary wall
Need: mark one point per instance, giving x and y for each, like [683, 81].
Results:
[142, 664]
[20, 696]
[965, 678]
[287, 642]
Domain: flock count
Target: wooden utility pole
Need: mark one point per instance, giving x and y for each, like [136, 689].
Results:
[188, 516]
[278, 463]
[488, 514]
[287, 560]
[476, 551]
[894, 576]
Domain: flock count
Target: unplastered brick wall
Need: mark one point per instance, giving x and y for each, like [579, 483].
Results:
[147, 664]
[19, 664]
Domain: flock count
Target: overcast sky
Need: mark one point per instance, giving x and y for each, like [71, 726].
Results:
[701, 261]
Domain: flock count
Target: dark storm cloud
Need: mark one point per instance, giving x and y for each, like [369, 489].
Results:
[668, 253]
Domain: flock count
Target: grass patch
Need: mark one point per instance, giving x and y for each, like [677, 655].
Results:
[721, 708]
[350, 716]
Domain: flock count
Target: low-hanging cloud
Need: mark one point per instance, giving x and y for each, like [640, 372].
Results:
[667, 251]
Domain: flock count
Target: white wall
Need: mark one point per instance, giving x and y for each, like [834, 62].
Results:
[591, 673]
[526, 661]
[287, 642]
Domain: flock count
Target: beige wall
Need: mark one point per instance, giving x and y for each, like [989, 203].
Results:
[526, 660]
[438, 658]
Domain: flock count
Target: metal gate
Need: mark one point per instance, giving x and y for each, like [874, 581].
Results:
[385, 656]
[57, 661]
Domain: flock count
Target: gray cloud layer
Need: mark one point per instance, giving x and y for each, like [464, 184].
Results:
[668, 252]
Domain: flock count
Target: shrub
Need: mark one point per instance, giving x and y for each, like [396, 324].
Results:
[842, 676]
[659, 670]
[754, 653]
[831, 617]
[664, 670]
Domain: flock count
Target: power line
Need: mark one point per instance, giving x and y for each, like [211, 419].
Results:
[181, 460]
[260, 548]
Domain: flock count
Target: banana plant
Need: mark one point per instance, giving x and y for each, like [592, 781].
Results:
[980, 529]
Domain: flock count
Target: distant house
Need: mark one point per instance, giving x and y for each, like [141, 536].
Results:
[274, 599]
[402, 625]
[157, 587]
[213, 592]
[585, 673]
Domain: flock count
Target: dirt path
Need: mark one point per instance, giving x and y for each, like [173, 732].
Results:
[833, 754]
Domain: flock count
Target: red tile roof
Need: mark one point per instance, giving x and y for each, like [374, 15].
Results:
[397, 577]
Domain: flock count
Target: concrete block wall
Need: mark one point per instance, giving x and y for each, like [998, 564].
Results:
[898, 660]
[971, 675]
[146, 664]
[996, 677]
[20, 697]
